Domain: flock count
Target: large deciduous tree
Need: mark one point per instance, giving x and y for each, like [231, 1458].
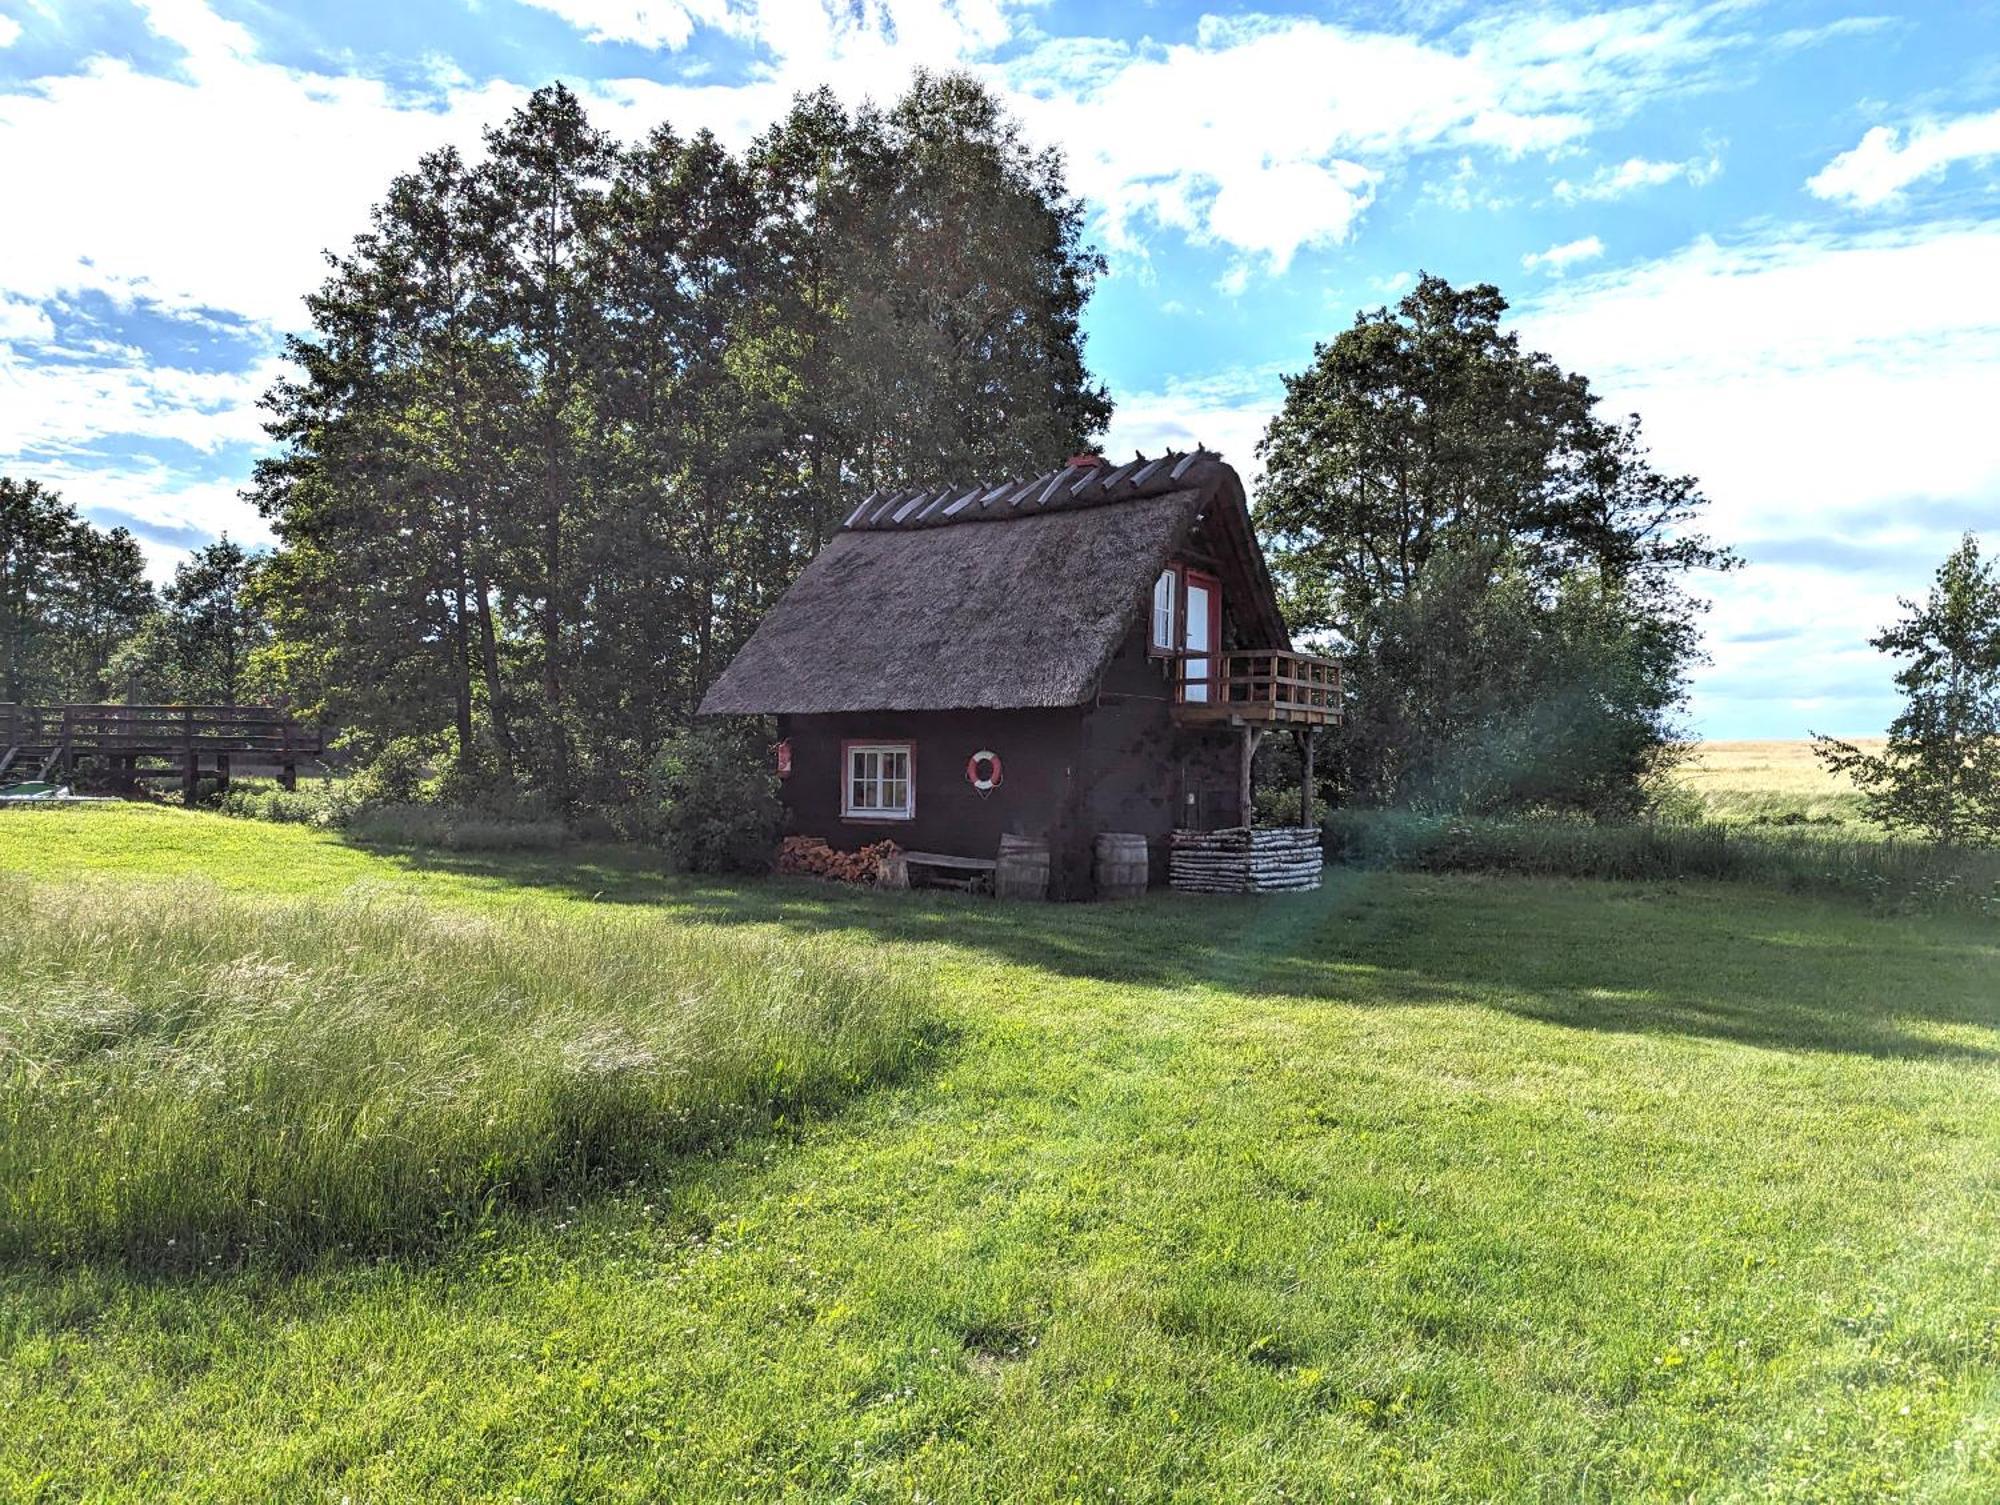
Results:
[1939, 776]
[570, 417]
[1503, 570]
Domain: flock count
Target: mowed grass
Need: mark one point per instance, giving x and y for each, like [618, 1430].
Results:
[1423, 1187]
[1775, 783]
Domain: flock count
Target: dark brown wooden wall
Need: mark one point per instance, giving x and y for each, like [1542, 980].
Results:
[1037, 751]
[1140, 767]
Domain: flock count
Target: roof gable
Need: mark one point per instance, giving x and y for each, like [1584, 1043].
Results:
[990, 597]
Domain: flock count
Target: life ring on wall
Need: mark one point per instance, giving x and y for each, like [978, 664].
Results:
[986, 781]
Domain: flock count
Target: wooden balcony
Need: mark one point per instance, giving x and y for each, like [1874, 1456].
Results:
[1261, 687]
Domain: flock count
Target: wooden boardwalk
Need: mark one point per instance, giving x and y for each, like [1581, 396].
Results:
[125, 744]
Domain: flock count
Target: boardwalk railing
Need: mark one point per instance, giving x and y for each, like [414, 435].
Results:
[125, 743]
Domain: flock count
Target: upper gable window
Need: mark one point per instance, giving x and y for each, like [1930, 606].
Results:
[1166, 597]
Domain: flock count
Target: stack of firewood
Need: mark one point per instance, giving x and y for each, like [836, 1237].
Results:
[1242, 860]
[815, 859]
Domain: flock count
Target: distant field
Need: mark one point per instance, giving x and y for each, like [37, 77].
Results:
[1774, 783]
[1420, 1188]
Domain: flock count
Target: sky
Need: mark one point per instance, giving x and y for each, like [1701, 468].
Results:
[1769, 227]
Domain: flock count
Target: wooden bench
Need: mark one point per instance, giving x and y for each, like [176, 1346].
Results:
[943, 869]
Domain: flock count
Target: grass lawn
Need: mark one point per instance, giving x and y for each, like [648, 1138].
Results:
[1416, 1188]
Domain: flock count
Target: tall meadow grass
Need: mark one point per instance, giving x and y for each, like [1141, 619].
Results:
[1892, 874]
[190, 1079]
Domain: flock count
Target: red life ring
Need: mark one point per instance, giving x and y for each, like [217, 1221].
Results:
[973, 776]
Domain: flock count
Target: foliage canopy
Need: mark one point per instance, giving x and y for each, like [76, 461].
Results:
[1502, 568]
[1940, 773]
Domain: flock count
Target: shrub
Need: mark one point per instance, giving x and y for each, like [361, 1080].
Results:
[328, 804]
[397, 773]
[186, 1083]
[716, 807]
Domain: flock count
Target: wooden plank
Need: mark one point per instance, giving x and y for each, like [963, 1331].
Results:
[945, 859]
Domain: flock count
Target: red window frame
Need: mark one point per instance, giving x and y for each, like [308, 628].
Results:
[1212, 649]
[876, 817]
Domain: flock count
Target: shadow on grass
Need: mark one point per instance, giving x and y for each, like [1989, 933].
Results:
[1724, 962]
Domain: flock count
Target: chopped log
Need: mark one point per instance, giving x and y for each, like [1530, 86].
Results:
[1245, 860]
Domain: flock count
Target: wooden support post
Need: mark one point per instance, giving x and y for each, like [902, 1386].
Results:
[288, 776]
[1306, 778]
[1251, 737]
[222, 773]
[190, 776]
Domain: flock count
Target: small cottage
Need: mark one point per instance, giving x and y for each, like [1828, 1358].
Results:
[1094, 651]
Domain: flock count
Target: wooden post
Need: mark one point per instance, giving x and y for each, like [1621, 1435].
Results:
[288, 776]
[1251, 736]
[1306, 779]
[222, 773]
[190, 776]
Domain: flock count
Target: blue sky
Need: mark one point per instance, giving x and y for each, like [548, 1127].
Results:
[1772, 227]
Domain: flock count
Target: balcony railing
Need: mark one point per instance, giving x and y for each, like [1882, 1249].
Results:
[1264, 686]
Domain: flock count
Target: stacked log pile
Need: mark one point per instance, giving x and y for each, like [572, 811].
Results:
[812, 857]
[1242, 860]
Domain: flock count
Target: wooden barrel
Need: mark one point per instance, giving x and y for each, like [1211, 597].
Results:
[1122, 865]
[1023, 869]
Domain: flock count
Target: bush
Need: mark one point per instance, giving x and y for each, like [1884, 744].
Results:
[328, 804]
[190, 1082]
[397, 773]
[1897, 875]
[716, 807]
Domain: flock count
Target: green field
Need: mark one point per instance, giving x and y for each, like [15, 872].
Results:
[1421, 1187]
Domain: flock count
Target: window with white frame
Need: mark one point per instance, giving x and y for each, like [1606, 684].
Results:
[878, 784]
[1166, 590]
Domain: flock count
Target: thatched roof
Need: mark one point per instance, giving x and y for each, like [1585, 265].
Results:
[993, 597]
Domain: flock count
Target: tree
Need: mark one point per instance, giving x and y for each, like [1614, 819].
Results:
[570, 418]
[200, 645]
[1503, 570]
[68, 595]
[100, 602]
[1940, 773]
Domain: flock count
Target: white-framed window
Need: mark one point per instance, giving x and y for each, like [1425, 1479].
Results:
[877, 782]
[1166, 591]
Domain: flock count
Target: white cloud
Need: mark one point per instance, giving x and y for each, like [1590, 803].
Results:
[10, 31]
[1635, 174]
[217, 188]
[22, 322]
[1834, 397]
[1168, 133]
[56, 399]
[1225, 412]
[1886, 162]
[656, 23]
[1559, 259]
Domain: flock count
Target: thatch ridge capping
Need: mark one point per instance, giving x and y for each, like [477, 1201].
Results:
[1066, 486]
